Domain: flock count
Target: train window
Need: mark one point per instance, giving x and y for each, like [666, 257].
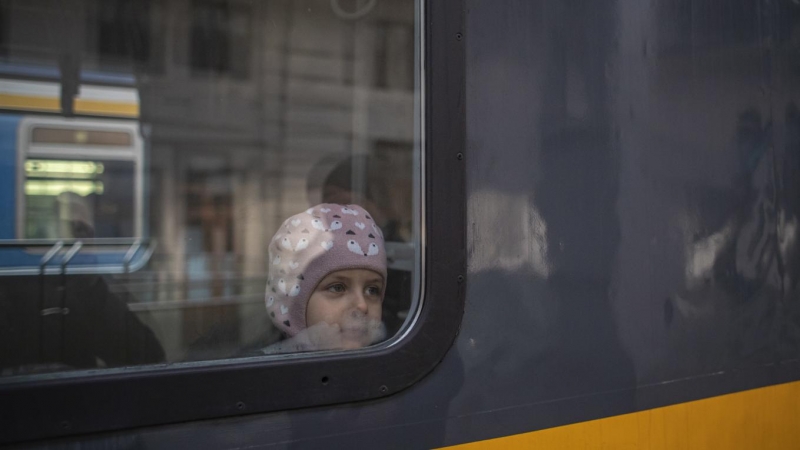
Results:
[210, 176]
[261, 196]
[68, 199]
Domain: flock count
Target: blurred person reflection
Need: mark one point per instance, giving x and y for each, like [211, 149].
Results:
[386, 190]
[95, 327]
[386, 197]
[732, 310]
[75, 216]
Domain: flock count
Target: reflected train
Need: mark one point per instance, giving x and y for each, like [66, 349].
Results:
[610, 242]
[71, 180]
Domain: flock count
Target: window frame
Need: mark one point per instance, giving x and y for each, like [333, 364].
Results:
[114, 399]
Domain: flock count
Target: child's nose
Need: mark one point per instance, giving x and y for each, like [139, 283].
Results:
[360, 302]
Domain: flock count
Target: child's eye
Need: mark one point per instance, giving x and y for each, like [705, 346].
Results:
[337, 288]
[373, 291]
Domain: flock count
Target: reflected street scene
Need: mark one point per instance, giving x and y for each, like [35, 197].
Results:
[153, 152]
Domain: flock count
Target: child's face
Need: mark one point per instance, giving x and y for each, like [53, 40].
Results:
[351, 299]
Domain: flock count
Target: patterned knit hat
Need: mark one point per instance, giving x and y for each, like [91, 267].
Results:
[310, 245]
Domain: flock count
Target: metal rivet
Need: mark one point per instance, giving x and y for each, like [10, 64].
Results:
[240, 405]
[461, 278]
[460, 156]
[384, 389]
[459, 36]
[325, 380]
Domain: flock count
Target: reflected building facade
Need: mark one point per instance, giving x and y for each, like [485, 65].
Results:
[237, 102]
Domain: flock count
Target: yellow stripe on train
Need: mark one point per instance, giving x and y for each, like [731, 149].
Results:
[100, 108]
[28, 102]
[765, 418]
[92, 100]
[88, 107]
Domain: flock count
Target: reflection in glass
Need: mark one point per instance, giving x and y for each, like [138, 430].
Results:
[151, 150]
[95, 196]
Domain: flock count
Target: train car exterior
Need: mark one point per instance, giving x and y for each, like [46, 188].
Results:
[601, 245]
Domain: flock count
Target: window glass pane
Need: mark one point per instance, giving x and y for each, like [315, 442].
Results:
[205, 180]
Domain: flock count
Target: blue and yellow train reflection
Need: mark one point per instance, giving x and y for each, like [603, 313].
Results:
[74, 182]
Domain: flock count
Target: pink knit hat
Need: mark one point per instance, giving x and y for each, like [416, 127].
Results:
[309, 246]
